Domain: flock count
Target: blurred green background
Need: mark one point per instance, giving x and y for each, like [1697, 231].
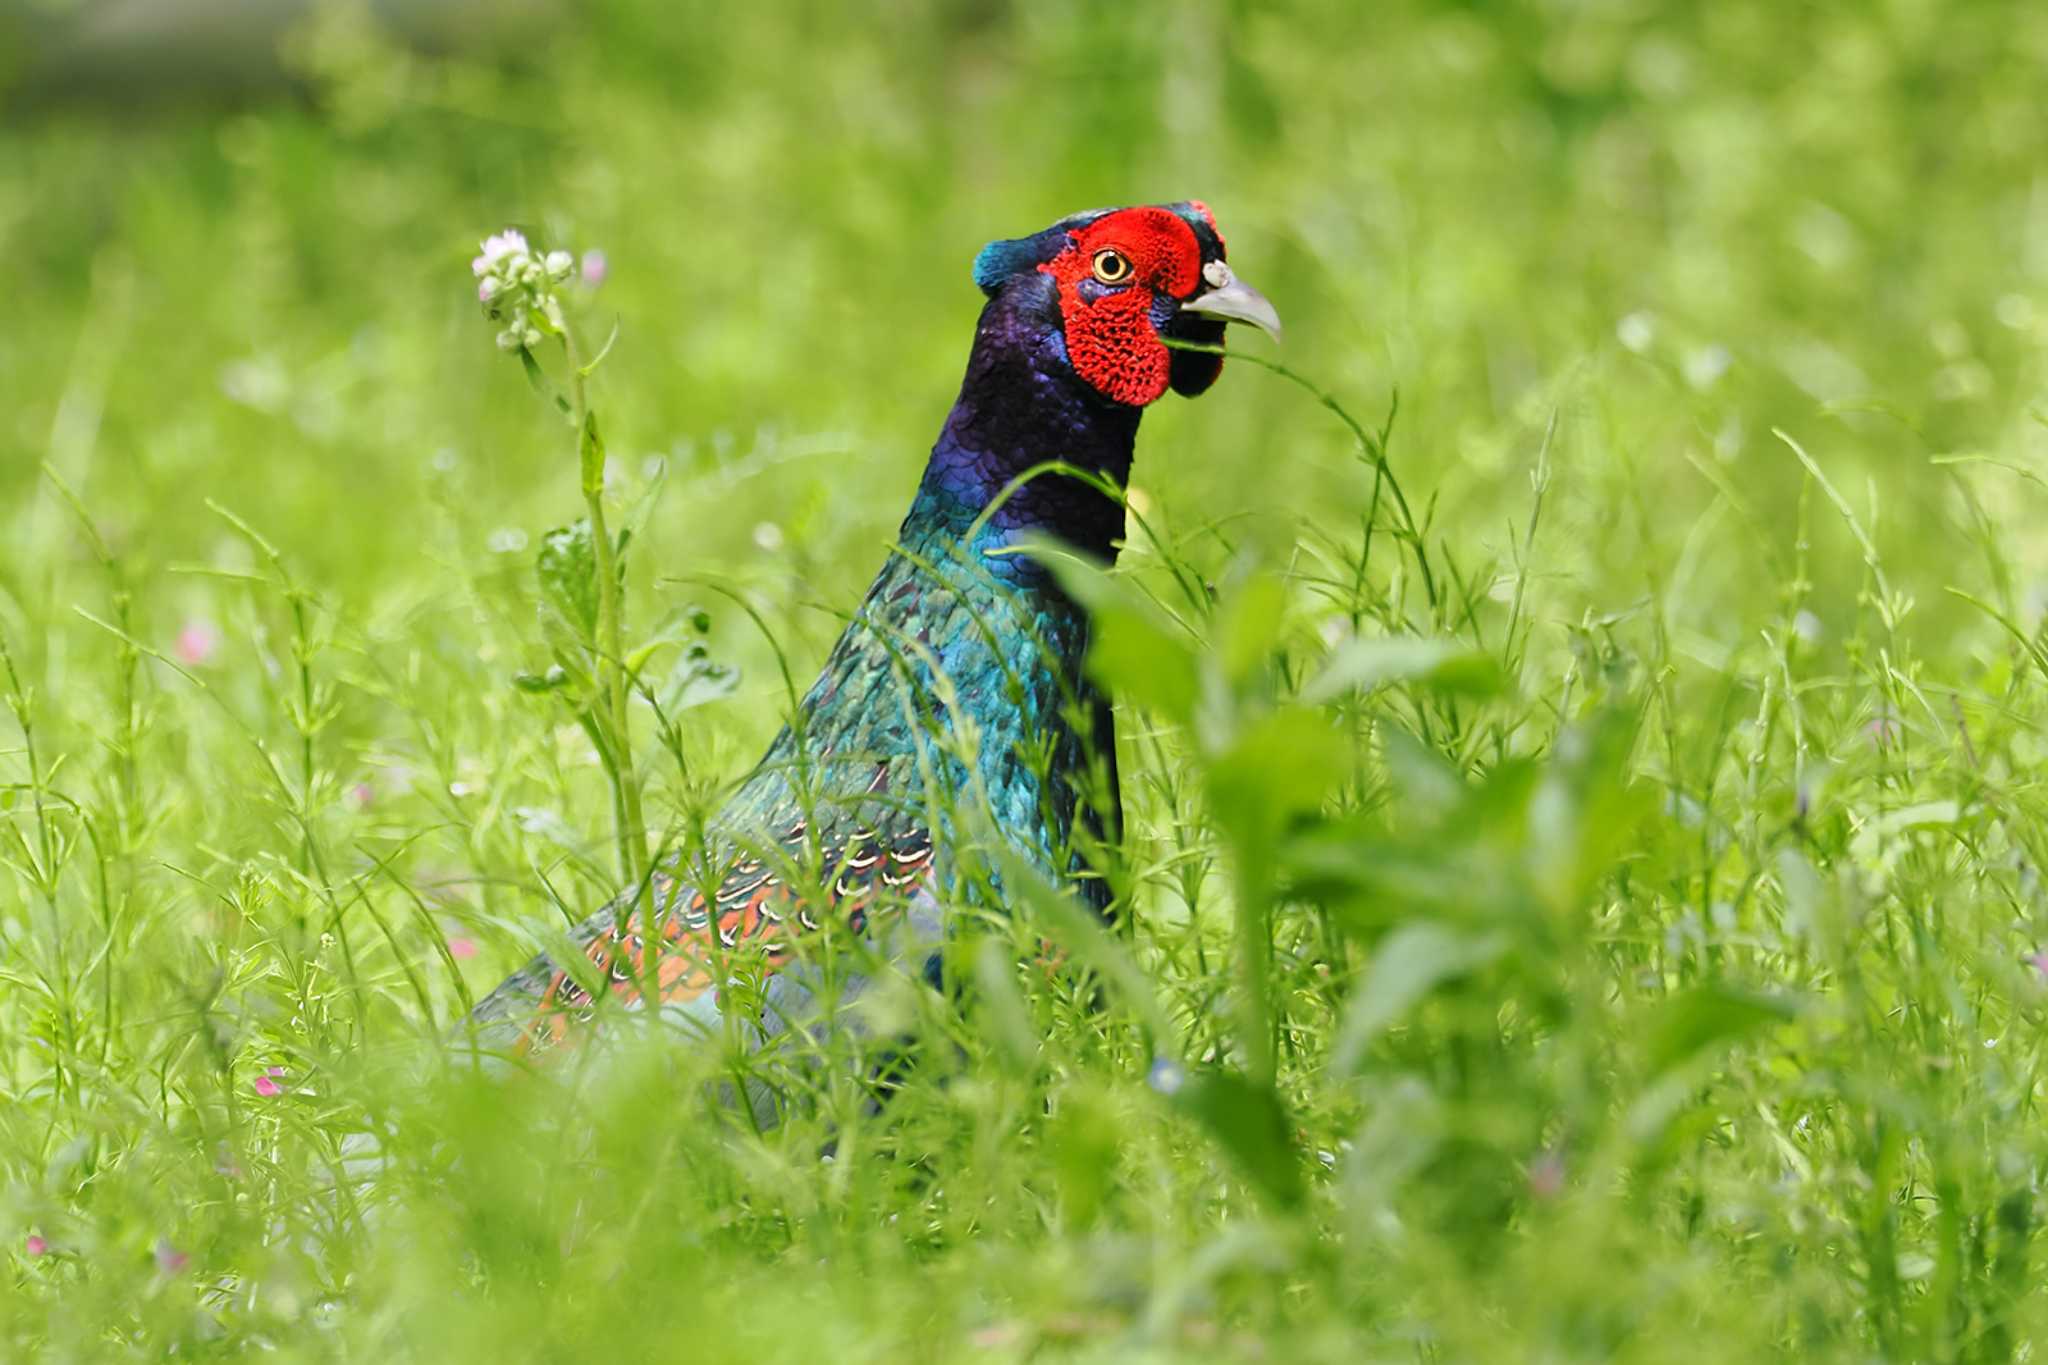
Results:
[1676, 225]
[1612, 244]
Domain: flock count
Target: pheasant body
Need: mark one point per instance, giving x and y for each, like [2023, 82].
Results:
[954, 697]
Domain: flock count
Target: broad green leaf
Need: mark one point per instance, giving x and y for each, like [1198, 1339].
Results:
[1371, 882]
[1247, 628]
[1813, 910]
[1250, 1124]
[1084, 1136]
[1136, 651]
[698, 679]
[1427, 789]
[1443, 664]
[1412, 961]
[1877, 836]
[567, 569]
[1582, 816]
[1682, 1030]
[1923, 815]
[1279, 767]
[554, 679]
[1713, 1016]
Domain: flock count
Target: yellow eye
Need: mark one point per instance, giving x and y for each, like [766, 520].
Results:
[1112, 267]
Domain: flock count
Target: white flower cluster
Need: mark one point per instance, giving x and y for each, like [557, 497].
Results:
[516, 286]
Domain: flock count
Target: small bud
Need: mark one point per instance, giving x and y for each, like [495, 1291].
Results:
[509, 339]
[486, 290]
[560, 263]
[595, 267]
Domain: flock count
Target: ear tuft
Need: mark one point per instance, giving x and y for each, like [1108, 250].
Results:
[999, 260]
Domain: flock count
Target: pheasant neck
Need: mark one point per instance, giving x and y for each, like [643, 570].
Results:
[1021, 405]
[958, 626]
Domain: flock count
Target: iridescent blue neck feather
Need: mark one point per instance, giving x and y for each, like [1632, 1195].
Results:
[1021, 405]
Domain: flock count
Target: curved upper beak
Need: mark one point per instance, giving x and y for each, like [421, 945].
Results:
[1231, 299]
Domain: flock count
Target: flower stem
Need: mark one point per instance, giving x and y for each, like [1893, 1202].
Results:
[611, 661]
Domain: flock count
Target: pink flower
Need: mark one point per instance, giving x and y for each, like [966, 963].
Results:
[197, 641]
[169, 1259]
[510, 242]
[35, 1246]
[462, 949]
[1546, 1176]
[362, 794]
[2039, 962]
[271, 1082]
[595, 268]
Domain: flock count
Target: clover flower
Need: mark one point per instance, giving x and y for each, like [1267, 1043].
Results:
[516, 286]
[197, 642]
[505, 246]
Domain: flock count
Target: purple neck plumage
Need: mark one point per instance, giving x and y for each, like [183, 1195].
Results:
[1021, 405]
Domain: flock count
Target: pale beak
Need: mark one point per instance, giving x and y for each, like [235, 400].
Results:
[1231, 299]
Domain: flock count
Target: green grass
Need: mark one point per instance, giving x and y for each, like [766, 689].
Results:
[1642, 970]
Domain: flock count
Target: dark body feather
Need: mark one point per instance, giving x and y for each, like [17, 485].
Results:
[954, 698]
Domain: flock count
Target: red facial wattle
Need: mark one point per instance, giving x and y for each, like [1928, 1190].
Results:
[1111, 340]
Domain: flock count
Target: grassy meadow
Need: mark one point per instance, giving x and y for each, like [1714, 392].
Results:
[1583, 865]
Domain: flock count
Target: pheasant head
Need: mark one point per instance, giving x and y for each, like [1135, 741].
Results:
[1124, 281]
